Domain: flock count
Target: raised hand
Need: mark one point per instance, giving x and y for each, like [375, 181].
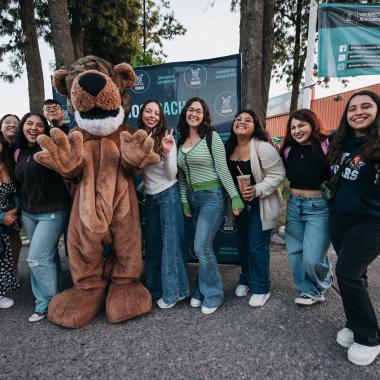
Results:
[137, 149]
[62, 153]
[167, 142]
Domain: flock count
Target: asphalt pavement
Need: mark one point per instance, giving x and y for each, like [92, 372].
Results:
[279, 341]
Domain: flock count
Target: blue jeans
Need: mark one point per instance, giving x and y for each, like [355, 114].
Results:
[165, 248]
[253, 247]
[44, 231]
[307, 240]
[207, 207]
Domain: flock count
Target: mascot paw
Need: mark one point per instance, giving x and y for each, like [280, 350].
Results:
[137, 149]
[126, 301]
[75, 308]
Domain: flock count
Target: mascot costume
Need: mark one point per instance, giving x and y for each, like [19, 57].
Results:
[102, 153]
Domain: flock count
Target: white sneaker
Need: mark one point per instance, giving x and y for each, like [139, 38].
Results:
[362, 355]
[241, 290]
[208, 310]
[305, 301]
[37, 316]
[258, 300]
[195, 302]
[163, 305]
[5, 302]
[345, 337]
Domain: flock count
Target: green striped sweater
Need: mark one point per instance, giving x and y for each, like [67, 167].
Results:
[200, 171]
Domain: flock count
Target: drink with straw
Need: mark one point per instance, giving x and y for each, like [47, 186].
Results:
[244, 180]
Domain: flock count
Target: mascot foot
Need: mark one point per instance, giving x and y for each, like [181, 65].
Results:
[75, 308]
[126, 301]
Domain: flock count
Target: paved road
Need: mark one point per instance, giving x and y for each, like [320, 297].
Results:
[279, 341]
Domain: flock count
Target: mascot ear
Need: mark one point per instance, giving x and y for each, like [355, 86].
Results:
[125, 75]
[59, 81]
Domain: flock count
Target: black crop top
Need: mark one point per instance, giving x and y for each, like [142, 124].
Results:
[305, 169]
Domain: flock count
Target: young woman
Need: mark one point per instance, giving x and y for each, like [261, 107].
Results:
[44, 202]
[8, 228]
[8, 125]
[165, 253]
[355, 221]
[307, 222]
[249, 153]
[202, 175]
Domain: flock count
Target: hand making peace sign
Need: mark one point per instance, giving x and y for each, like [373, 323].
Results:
[167, 142]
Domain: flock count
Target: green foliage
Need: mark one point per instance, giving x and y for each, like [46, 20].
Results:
[11, 37]
[145, 59]
[160, 24]
[285, 26]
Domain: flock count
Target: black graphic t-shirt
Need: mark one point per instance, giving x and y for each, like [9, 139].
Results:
[358, 192]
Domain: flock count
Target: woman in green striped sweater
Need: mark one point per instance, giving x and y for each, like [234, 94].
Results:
[202, 176]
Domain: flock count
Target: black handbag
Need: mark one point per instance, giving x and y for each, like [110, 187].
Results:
[329, 187]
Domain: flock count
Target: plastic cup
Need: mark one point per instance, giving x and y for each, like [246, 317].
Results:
[243, 181]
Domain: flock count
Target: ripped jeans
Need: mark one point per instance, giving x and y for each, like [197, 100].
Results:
[44, 231]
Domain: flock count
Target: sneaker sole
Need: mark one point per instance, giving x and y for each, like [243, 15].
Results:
[37, 319]
[362, 362]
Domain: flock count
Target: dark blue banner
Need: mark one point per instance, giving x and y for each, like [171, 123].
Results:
[217, 81]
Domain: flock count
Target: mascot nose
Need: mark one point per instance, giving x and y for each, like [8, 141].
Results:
[92, 83]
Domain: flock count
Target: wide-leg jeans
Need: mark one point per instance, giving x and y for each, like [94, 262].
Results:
[253, 246]
[165, 246]
[307, 241]
[44, 231]
[207, 208]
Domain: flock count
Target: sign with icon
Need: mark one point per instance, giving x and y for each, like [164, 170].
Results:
[348, 40]
[217, 81]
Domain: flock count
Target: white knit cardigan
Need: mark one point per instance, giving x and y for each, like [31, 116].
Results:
[269, 173]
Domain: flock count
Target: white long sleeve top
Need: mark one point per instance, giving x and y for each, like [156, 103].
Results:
[161, 176]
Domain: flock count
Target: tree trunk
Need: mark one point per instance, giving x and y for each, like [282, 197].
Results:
[32, 56]
[76, 28]
[256, 46]
[298, 60]
[60, 30]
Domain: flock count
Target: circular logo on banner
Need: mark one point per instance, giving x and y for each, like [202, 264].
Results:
[350, 17]
[142, 82]
[195, 76]
[226, 104]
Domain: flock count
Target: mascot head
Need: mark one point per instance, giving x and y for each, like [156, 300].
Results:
[97, 92]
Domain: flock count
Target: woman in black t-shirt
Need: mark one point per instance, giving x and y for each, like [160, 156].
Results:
[44, 203]
[306, 233]
[355, 221]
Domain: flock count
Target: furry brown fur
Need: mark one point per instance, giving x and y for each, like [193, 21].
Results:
[105, 209]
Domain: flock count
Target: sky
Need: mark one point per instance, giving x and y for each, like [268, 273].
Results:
[211, 32]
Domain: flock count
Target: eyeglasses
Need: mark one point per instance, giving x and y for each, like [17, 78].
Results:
[198, 111]
[52, 109]
[245, 121]
[6, 123]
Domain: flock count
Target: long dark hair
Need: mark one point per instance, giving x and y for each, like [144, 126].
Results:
[202, 129]
[159, 130]
[371, 143]
[19, 140]
[317, 135]
[258, 133]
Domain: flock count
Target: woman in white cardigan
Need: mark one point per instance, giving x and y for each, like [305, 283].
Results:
[249, 152]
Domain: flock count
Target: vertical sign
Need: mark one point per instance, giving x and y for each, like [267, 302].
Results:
[349, 40]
